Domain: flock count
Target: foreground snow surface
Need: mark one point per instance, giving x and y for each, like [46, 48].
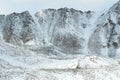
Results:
[22, 63]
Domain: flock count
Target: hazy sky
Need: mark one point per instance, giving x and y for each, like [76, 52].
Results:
[9, 6]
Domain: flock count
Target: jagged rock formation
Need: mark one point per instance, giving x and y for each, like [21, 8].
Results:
[64, 27]
[18, 28]
[106, 38]
[71, 31]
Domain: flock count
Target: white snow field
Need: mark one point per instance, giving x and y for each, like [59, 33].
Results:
[18, 63]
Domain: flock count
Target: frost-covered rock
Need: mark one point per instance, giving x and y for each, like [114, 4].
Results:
[106, 38]
[64, 27]
[18, 28]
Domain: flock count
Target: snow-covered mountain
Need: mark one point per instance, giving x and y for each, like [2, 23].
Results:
[60, 44]
[106, 38]
[71, 31]
[65, 28]
[18, 28]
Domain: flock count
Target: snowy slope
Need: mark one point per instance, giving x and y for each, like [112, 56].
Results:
[23, 64]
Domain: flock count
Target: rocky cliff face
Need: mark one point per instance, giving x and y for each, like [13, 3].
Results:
[18, 28]
[71, 31]
[106, 38]
[64, 27]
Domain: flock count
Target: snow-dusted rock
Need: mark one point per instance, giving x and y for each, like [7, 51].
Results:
[18, 28]
[64, 27]
[105, 40]
[95, 62]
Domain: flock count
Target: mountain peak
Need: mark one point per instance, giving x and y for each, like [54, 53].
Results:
[116, 7]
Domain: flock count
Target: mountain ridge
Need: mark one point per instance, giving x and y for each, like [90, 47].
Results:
[72, 31]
